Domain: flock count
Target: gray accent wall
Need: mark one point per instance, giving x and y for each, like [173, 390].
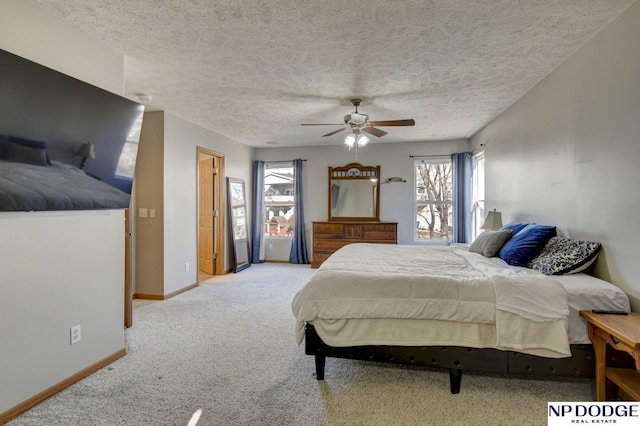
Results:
[39, 103]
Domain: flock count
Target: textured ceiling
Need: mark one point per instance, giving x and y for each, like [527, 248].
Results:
[254, 70]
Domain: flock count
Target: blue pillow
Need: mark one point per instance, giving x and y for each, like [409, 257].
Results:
[29, 143]
[526, 244]
[514, 226]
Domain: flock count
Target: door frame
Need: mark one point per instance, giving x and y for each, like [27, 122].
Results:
[218, 221]
[128, 296]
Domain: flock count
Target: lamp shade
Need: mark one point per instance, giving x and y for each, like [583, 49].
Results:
[87, 150]
[493, 221]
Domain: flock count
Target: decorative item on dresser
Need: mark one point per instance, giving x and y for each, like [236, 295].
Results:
[330, 236]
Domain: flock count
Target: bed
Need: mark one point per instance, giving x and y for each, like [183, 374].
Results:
[455, 308]
[54, 186]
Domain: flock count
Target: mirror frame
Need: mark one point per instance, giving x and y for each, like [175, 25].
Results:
[355, 171]
[238, 224]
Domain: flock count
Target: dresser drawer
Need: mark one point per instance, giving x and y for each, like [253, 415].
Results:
[327, 228]
[320, 257]
[380, 232]
[328, 246]
[352, 231]
[380, 236]
[380, 227]
[328, 231]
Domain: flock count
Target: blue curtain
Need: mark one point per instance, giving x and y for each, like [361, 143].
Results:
[462, 185]
[257, 230]
[299, 244]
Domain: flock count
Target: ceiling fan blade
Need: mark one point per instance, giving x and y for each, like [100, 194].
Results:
[409, 122]
[373, 131]
[334, 132]
[322, 124]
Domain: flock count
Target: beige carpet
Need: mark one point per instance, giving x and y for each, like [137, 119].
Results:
[228, 347]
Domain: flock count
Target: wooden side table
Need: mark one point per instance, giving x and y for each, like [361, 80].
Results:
[621, 332]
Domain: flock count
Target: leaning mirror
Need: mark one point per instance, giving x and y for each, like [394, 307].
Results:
[238, 226]
[354, 192]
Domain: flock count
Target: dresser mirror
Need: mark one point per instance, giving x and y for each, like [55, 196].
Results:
[354, 192]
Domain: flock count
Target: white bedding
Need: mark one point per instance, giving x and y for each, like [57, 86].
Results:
[588, 292]
[370, 294]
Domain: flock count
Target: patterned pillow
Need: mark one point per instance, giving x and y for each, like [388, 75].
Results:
[561, 256]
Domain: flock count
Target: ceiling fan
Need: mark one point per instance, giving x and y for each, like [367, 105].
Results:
[358, 122]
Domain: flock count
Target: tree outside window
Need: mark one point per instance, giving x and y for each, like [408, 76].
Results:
[434, 200]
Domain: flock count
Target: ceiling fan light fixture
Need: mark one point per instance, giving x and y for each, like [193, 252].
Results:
[358, 123]
[350, 140]
[362, 140]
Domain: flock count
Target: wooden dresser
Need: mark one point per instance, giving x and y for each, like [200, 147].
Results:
[330, 236]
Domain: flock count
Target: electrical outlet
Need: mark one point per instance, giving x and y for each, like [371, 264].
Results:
[186, 267]
[76, 335]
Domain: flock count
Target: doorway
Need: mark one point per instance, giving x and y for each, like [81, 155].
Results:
[210, 214]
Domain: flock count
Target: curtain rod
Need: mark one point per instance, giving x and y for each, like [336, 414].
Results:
[481, 147]
[282, 161]
[438, 156]
[430, 156]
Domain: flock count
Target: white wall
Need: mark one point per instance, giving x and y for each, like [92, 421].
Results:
[30, 32]
[396, 199]
[59, 269]
[148, 193]
[181, 141]
[567, 153]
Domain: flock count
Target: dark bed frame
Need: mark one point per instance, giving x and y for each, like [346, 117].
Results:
[457, 359]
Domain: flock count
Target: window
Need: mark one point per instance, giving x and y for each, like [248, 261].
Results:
[477, 201]
[129, 153]
[434, 202]
[278, 200]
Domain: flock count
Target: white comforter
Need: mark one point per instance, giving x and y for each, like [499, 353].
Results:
[372, 281]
